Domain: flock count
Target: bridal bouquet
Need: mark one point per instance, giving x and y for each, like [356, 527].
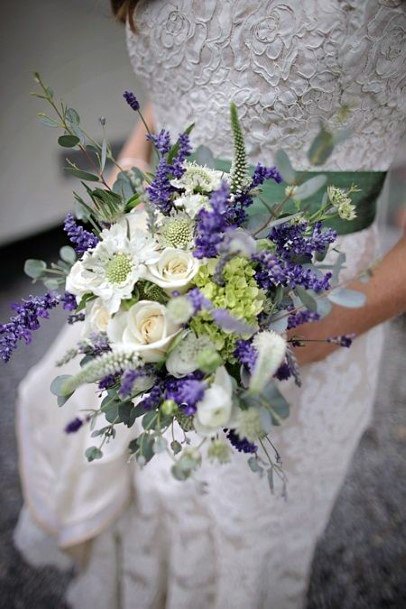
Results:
[185, 297]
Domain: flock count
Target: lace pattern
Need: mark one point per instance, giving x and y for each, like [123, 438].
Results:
[287, 64]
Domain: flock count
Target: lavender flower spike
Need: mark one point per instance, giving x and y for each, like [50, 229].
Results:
[81, 239]
[131, 100]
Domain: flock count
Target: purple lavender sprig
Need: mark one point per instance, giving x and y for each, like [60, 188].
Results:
[81, 239]
[262, 174]
[20, 327]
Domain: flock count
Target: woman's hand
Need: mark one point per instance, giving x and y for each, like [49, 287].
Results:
[385, 298]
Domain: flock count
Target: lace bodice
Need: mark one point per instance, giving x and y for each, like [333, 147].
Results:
[287, 64]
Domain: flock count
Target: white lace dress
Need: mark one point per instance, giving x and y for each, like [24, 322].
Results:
[158, 543]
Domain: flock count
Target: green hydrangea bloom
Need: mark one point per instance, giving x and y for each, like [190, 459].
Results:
[240, 295]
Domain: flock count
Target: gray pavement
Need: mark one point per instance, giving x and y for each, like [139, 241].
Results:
[360, 562]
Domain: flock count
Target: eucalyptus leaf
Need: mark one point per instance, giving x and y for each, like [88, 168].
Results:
[254, 466]
[68, 254]
[276, 403]
[53, 283]
[310, 187]
[347, 298]
[68, 141]
[284, 166]
[160, 445]
[47, 121]
[83, 175]
[58, 383]
[72, 117]
[92, 453]
[324, 307]
[125, 413]
[34, 268]
[307, 298]
[103, 155]
[278, 323]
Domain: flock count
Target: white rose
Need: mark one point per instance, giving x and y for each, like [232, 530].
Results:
[76, 283]
[97, 317]
[174, 270]
[145, 328]
[192, 204]
[216, 409]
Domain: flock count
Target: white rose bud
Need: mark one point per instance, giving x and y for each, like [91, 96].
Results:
[97, 317]
[75, 282]
[145, 329]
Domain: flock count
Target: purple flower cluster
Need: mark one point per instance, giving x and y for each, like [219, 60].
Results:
[302, 317]
[211, 224]
[161, 190]
[21, 326]
[198, 300]
[292, 241]
[131, 376]
[241, 444]
[131, 100]
[246, 354]
[154, 398]
[186, 392]
[81, 239]
[262, 173]
[96, 345]
[69, 301]
[273, 271]
[161, 141]
[108, 381]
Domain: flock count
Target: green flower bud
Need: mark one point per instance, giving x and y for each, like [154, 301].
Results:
[169, 407]
[209, 360]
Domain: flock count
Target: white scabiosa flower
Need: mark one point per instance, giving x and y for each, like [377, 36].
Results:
[176, 231]
[112, 268]
[145, 329]
[200, 179]
[174, 269]
[216, 409]
[192, 204]
[271, 349]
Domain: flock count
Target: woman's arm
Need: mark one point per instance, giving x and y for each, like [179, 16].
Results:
[385, 298]
[137, 150]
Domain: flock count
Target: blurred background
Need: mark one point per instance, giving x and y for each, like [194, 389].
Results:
[80, 51]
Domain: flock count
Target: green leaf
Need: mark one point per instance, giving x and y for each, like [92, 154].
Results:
[321, 147]
[68, 254]
[47, 121]
[72, 117]
[57, 386]
[150, 420]
[93, 453]
[284, 166]
[307, 298]
[83, 175]
[310, 187]
[110, 411]
[255, 466]
[34, 268]
[68, 141]
[53, 283]
[160, 445]
[125, 413]
[347, 298]
[276, 404]
[323, 307]
[176, 447]
[103, 155]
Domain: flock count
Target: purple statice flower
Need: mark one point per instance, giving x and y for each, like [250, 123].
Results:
[241, 444]
[246, 354]
[81, 239]
[160, 190]
[345, 340]
[131, 100]
[75, 317]
[153, 399]
[236, 212]
[186, 392]
[74, 425]
[131, 376]
[262, 173]
[108, 381]
[20, 327]
[274, 271]
[212, 224]
[292, 239]
[198, 300]
[302, 317]
[69, 302]
[184, 151]
[161, 141]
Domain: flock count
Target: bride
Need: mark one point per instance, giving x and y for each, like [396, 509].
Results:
[140, 539]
